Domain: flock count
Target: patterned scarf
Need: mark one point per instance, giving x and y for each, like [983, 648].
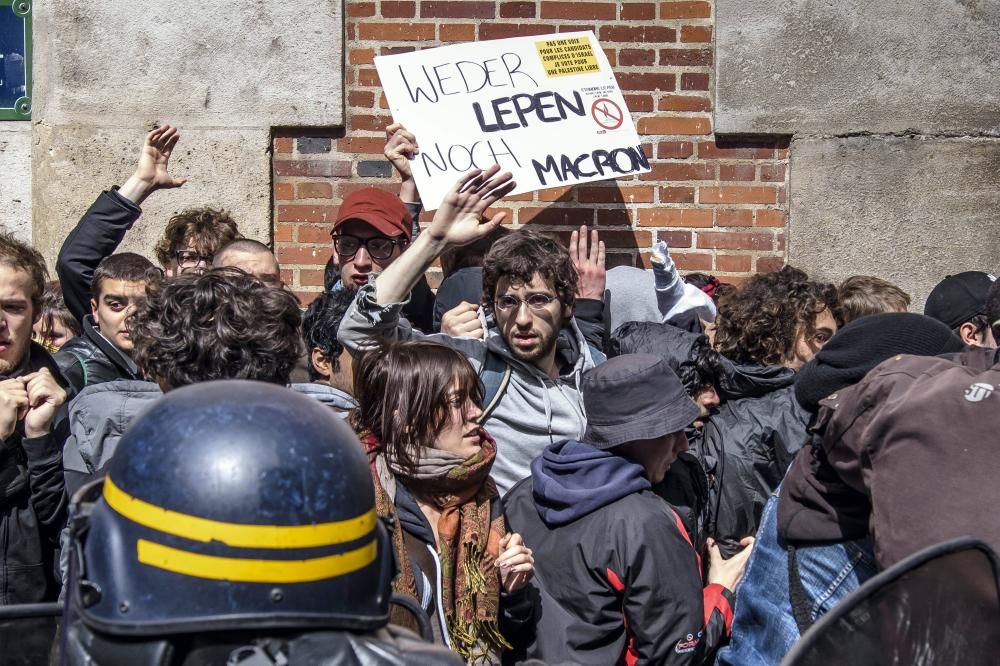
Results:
[468, 541]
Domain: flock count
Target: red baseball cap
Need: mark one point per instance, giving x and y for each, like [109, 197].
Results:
[382, 210]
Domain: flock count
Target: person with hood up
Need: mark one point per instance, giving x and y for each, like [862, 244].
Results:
[529, 290]
[418, 405]
[815, 520]
[617, 580]
[769, 329]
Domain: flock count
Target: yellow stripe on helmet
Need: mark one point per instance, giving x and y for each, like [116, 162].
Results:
[254, 571]
[237, 535]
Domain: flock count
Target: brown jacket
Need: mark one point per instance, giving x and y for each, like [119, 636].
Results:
[920, 437]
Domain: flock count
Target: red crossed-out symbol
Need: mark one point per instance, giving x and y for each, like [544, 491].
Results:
[607, 113]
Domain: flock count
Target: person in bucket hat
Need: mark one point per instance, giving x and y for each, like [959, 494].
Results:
[622, 582]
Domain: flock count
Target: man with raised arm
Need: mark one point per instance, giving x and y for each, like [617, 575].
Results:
[532, 397]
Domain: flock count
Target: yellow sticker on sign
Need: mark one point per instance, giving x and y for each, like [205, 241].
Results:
[565, 57]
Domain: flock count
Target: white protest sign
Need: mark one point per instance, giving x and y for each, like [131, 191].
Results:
[546, 108]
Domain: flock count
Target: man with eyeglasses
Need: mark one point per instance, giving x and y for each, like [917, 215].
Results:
[372, 229]
[531, 377]
[189, 242]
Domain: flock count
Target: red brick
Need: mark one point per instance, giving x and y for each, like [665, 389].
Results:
[284, 191]
[283, 233]
[694, 81]
[677, 194]
[736, 172]
[314, 191]
[505, 30]
[646, 81]
[685, 103]
[312, 234]
[369, 78]
[360, 9]
[517, 10]
[674, 125]
[639, 103]
[644, 34]
[284, 144]
[638, 57]
[675, 238]
[466, 9]
[304, 213]
[767, 217]
[615, 239]
[364, 99]
[613, 217]
[772, 173]
[734, 218]
[322, 168]
[780, 241]
[769, 264]
[564, 193]
[709, 149]
[393, 9]
[396, 50]
[614, 194]
[311, 278]
[458, 32]
[681, 10]
[362, 145]
[675, 217]
[303, 256]
[552, 216]
[681, 171]
[638, 11]
[734, 240]
[590, 11]
[611, 55]
[614, 259]
[686, 57]
[691, 261]
[674, 149]
[361, 56]
[396, 32]
[362, 123]
[732, 263]
[692, 34]
[715, 195]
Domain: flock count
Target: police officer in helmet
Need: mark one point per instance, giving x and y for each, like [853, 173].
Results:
[236, 525]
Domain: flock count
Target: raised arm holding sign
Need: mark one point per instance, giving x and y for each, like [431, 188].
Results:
[547, 109]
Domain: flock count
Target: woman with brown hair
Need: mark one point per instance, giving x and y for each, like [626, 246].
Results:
[418, 408]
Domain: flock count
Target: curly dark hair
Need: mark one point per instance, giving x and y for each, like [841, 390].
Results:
[23, 257]
[207, 228]
[320, 325]
[758, 323]
[403, 392]
[222, 324]
[519, 255]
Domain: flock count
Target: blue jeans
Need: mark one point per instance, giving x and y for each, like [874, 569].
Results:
[764, 627]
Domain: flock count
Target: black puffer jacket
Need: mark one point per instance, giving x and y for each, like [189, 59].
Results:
[90, 359]
[747, 446]
[32, 504]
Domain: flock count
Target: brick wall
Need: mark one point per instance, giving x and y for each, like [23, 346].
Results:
[720, 204]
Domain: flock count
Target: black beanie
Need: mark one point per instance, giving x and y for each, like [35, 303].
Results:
[863, 344]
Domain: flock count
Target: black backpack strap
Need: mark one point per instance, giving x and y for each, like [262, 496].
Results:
[495, 376]
[797, 594]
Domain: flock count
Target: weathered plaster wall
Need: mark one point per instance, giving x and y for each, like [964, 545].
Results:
[15, 178]
[224, 71]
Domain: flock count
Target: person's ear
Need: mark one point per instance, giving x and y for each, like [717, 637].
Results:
[567, 312]
[93, 310]
[967, 332]
[320, 363]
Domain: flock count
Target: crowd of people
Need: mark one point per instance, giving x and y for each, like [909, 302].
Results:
[562, 464]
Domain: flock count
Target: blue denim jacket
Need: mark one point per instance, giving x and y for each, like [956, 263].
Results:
[764, 626]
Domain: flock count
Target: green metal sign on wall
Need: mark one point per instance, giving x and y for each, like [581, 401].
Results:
[15, 59]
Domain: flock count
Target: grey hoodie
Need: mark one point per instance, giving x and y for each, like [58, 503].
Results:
[535, 410]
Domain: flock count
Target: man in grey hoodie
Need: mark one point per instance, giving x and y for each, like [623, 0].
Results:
[529, 293]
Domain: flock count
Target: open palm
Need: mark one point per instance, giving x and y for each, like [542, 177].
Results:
[457, 220]
[155, 157]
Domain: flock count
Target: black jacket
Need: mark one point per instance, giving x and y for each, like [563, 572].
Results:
[97, 235]
[616, 578]
[32, 504]
[747, 446]
[90, 359]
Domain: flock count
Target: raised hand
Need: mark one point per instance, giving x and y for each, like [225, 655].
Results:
[462, 321]
[589, 264]
[151, 173]
[457, 220]
[13, 405]
[45, 397]
[400, 148]
[516, 563]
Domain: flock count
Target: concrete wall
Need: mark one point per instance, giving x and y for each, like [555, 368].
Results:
[894, 112]
[224, 71]
[15, 178]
